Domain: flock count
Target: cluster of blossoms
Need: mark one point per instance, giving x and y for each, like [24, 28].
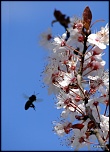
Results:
[75, 74]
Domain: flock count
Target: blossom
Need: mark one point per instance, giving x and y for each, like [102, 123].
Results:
[104, 124]
[62, 128]
[45, 39]
[96, 50]
[79, 138]
[63, 100]
[69, 114]
[59, 42]
[101, 79]
[76, 23]
[68, 78]
[76, 39]
[101, 38]
[94, 68]
[51, 74]
[59, 129]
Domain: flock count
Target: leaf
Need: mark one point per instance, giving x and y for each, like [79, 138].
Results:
[87, 17]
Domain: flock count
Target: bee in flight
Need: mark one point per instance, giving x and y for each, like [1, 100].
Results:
[30, 101]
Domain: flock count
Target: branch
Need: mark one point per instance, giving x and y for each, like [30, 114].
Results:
[99, 138]
[79, 79]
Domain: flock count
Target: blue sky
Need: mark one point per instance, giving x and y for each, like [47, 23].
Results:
[22, 61]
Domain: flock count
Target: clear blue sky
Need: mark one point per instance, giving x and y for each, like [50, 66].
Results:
[22, 61]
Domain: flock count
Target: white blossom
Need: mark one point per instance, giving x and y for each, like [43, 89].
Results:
[104, 124]
[46, 39]
[101, 38]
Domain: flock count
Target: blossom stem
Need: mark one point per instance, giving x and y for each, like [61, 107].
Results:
[74, 49]
[98, 113]
[105, 109]
[87, 58]
[75, 94]
[90, 49]
[88, 72]
[96, 22]
[77, 108]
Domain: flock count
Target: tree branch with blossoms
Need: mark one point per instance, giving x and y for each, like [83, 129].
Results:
[75, 74]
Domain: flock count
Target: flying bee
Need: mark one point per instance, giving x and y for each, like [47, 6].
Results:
[30, 101]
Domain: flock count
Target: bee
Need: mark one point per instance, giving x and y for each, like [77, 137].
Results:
[30, 101]
[61, 18]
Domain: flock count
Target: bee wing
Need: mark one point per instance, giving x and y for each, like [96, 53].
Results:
[25, 96]
[39, 100]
